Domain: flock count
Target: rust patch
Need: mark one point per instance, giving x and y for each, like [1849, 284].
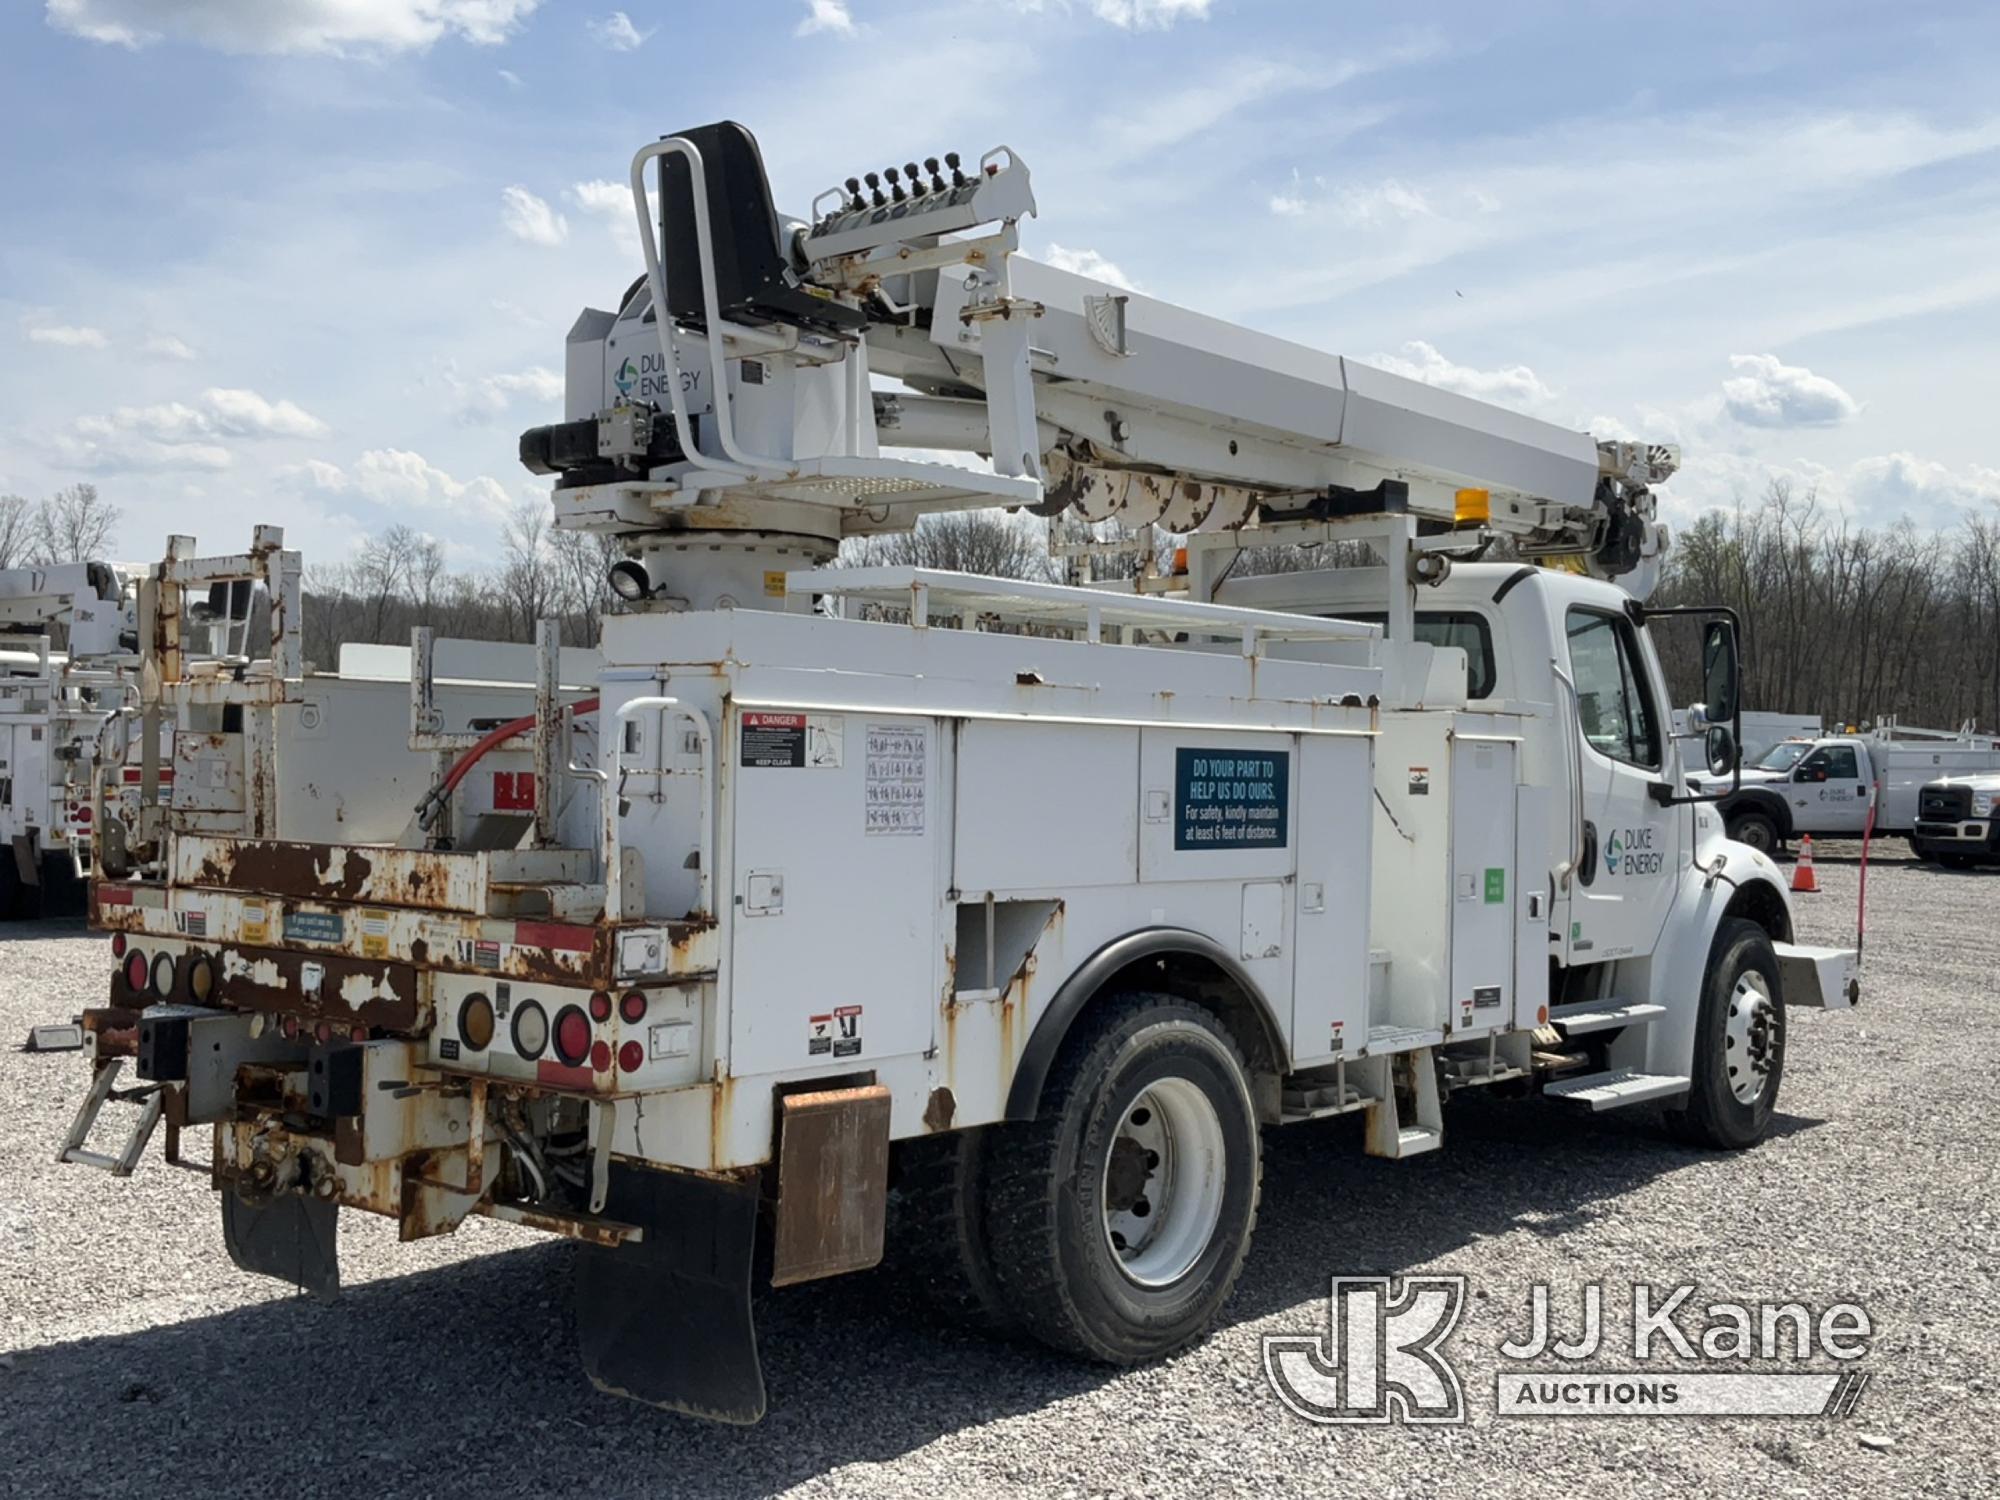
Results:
[939, 1111]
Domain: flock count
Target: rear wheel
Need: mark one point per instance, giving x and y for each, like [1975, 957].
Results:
[1739, 1044]
[1120, 1217]
[1756, 830]
[941, 1239]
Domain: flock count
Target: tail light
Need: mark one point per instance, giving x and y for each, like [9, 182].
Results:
[572, 1036]
[117, 945]
[633, 1007]
[135, 972]
[631, 1057]
[475, 1022]
[600, 1006]
[600, 1056]
[201, 978]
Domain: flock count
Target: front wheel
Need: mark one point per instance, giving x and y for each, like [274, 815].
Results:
[1739, 1043]
[1120, 1217]
[1756, 830]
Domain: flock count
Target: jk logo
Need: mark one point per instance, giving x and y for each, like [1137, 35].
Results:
[1380, 1359]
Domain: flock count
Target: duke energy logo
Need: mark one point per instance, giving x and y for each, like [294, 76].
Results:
[1630, 851]
[626, 377]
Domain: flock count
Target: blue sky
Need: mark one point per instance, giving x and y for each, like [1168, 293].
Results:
[312, 262]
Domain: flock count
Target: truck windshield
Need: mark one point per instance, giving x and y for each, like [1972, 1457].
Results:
[1783, 755]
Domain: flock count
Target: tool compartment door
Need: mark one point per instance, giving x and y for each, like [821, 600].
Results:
[1482, 885]
[1330, 975]
[837, 826]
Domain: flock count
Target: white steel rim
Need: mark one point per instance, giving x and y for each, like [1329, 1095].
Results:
[1750, 1040]
[1163, 1182]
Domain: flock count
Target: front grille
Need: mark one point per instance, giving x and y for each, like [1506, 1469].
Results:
[1944, 804]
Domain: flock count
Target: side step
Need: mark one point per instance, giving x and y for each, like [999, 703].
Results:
[1585, 1016]
[1615, 1089]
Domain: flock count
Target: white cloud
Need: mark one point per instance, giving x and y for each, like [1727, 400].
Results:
[267, 26]
[1149, 15]
[512, 79]
[1387, 202]
[826, 15]
[217, 413]
[1897, 484]
[69, 337]
[531, 219]
[400, 479]
[166, 346]
[240, 413]
[617, 32]
[1510, 385]
[1770, 393]
[489, 398]
[1290, 204]
[1087, 263]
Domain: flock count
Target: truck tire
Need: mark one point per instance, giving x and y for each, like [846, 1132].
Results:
[1739, 1043]
[941, 1241]
[1755, 829]
[1121, 1215]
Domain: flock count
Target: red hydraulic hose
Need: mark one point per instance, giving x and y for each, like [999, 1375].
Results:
[464, 764]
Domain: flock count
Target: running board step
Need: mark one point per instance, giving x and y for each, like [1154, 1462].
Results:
[1586, 1016]
[1615, 1089]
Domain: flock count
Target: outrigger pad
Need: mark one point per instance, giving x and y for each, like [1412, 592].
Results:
[667, 1320]
[291, 1237]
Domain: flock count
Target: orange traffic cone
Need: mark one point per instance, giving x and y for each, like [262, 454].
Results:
[1803, 876]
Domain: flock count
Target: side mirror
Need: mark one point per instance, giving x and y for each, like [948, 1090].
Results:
[1720, 679]
[1720, 747]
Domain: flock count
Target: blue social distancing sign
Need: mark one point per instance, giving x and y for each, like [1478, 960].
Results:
[1232, 799]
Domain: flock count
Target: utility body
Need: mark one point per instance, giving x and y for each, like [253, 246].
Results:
[1010, 911]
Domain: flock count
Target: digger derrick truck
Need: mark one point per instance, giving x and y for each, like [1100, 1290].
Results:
[1039, 918]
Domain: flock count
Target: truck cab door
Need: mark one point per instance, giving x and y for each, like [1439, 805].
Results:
[1622, 888]
[1829, 791]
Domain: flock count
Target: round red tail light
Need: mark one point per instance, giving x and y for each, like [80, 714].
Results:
[631, 1057]
[600, 1006]
[600, 1056]
[290, 1026]
[633, 1006]
[135, 972]
[572, 1036]
[117, 945]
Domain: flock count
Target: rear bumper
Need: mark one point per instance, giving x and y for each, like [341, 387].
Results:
[1822, 978]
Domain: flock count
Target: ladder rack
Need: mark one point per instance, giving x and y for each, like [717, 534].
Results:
[928, 592]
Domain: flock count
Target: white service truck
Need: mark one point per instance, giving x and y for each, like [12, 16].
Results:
[1763, 730]
[1826, 787]
[1958, 821]
[1033, 903]
[66, 640]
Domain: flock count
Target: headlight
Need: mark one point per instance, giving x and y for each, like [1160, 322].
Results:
[1982, 804]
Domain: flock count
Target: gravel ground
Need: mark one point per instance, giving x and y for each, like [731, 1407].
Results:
[139, 1357]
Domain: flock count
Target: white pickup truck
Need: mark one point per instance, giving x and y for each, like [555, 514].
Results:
[1958, 821]
[1823, 787]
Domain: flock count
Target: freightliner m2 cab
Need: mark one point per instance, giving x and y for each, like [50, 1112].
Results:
[1027, 905]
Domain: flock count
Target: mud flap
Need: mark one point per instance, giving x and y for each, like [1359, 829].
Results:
[667, 1320]
[291, 1237]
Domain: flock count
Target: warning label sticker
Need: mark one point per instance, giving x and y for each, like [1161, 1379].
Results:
[895, 786]
[835, 1034]
[777, 741]
[374, 934]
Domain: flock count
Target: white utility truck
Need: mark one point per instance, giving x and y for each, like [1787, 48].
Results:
[1958, 821]
[1034, 902]
[1763, 730]
[66, 640]
[1826, 786]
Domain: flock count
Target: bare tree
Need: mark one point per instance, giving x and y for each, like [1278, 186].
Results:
[16, 529]
[73, 525]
